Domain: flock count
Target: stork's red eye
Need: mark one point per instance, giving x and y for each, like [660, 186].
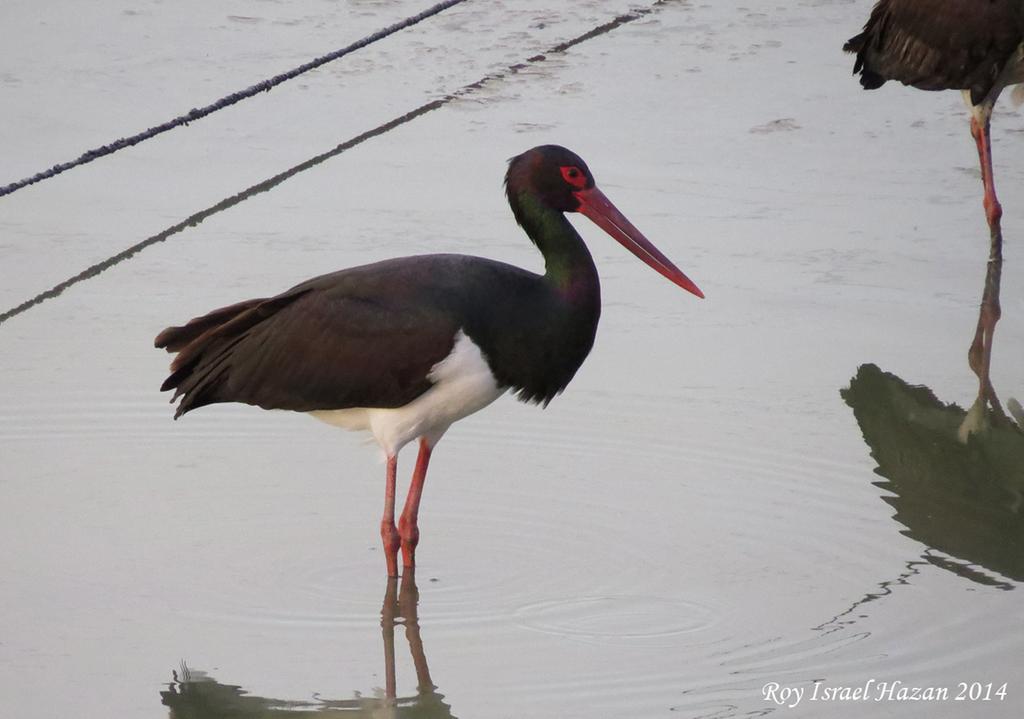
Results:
[574, 176]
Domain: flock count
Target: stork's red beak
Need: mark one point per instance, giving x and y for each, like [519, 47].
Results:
[604, 214]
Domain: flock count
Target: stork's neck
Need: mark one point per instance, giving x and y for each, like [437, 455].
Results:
[567, 261]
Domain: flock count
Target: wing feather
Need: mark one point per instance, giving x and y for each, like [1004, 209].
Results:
[322, 345]
[938, 44]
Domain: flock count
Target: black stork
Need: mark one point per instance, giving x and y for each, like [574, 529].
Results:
[405, 347]
[977, 47]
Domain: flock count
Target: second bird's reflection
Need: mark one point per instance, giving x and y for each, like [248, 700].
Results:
[962, 495]
[196, 695]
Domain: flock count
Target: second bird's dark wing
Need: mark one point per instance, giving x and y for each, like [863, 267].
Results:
[938, 44]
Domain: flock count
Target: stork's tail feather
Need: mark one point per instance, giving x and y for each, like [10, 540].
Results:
[204, 347]
[174, 339]
[869, 79]
[855, 43]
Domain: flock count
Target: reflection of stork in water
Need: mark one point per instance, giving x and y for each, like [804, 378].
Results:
[969, 45]
[195, 695]
[962, 499]
[965, 499]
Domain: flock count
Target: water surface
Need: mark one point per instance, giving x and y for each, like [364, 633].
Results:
[743, 491]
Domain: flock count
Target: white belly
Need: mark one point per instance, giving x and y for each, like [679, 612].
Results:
[463, 384]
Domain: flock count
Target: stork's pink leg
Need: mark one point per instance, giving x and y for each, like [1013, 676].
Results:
[388, 531]
[980, 130]
[407, 527]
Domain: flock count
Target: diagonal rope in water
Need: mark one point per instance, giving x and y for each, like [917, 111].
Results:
[235, 97]
[277, 179]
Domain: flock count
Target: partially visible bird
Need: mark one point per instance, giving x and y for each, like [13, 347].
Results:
[405, 347]
[977, 47]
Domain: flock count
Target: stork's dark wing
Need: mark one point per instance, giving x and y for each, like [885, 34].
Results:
[326, 344]
[938, 44]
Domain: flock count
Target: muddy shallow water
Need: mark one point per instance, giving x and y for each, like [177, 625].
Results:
[736, 498]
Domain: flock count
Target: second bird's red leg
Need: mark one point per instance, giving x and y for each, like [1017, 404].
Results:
[983, 139]
[407, 527]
